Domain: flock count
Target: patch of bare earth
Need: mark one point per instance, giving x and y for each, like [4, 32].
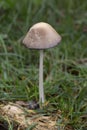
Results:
[23, 118]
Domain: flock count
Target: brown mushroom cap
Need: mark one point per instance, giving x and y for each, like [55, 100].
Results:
[41, 36]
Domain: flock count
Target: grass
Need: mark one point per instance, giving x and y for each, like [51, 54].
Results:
[65, 67]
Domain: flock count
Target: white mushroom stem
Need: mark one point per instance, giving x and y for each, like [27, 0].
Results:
[41, 89]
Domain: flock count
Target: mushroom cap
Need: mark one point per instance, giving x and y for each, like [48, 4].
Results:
[41, 36]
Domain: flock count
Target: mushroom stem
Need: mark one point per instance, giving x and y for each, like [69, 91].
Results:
[41, 89]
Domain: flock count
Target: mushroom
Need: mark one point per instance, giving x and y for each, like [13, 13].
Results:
[41, 36]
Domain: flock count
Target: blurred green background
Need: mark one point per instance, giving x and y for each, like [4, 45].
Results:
[65, 66]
